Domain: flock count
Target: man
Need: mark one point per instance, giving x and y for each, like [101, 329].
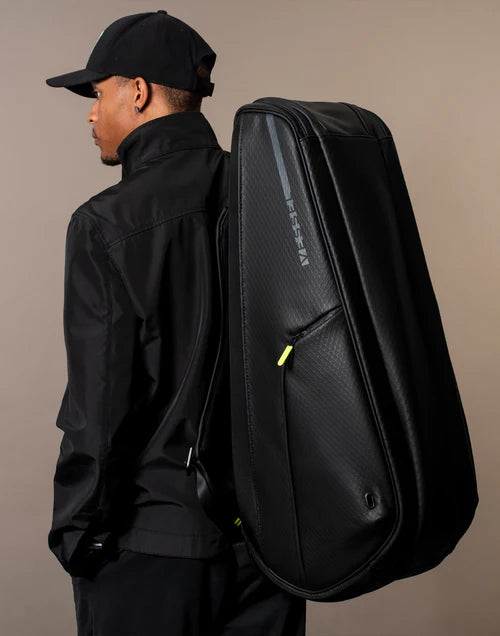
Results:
[146, 357]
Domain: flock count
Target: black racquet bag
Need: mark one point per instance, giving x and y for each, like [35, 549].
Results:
[351, 455]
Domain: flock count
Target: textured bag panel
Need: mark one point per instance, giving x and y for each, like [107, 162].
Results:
[319, 450]
[348, 430]
[343, 496]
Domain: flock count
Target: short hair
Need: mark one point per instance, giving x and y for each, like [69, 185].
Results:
[180, 99]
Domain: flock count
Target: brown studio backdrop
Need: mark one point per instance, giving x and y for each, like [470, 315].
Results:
[430, 70]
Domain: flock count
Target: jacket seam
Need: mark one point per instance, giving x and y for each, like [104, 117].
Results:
[100, 482]
[107, 401]
[95, 225]
[177, 534]
[106, 246]
[142, 164]
[146, 228]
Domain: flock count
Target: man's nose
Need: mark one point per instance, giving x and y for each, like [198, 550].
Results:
[91, 117]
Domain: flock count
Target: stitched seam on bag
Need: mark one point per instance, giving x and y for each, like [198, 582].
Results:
[353, 578]
[292, 497]
[344, 136]
[245, 349]
[355, 111]
[360, 571]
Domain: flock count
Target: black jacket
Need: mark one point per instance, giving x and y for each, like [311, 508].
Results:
[142, 322]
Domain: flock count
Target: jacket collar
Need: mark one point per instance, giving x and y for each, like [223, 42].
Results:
[157, 137]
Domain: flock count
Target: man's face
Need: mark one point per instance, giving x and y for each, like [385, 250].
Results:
[111, 117]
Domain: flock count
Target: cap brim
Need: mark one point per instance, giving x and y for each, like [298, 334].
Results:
[78, 82]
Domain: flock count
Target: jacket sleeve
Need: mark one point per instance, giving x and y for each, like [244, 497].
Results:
[99, 341]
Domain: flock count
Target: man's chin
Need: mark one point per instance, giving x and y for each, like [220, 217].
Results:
[110, 160]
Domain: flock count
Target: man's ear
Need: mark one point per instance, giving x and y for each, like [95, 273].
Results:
[141, 92]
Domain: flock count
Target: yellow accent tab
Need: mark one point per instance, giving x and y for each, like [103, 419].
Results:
[284, 355]
[237, 521]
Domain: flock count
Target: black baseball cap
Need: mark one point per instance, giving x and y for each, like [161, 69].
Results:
[155, 45]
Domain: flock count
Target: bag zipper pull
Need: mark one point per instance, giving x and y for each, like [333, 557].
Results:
[284, 355]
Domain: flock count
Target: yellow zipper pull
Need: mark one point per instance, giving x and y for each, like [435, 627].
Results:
[284, 355]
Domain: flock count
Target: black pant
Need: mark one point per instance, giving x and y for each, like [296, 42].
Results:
[147, 595]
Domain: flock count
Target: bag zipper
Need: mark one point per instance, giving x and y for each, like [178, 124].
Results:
[309, 328]
[194, 452]
[296, 117]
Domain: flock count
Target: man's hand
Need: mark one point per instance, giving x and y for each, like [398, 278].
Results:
[91, 558]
